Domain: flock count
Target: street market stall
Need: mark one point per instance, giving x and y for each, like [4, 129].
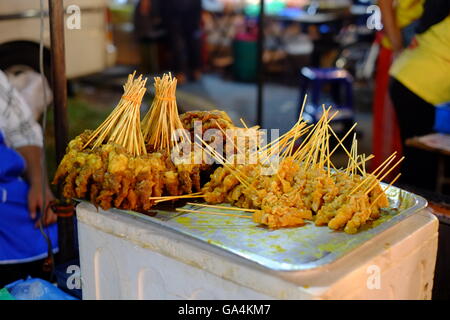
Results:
[303, 230]
[295, 228]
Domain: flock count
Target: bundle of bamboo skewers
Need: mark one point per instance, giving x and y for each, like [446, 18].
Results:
[114, 166]
[161, 122]
[123, 125]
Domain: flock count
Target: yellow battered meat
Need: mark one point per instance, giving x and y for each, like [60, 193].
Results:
[295, 194]
[110, 177]
[210, 119]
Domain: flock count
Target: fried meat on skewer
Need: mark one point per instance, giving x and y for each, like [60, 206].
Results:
[293, 195]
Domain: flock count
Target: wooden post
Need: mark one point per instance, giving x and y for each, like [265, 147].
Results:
[59, 81]
[260, 100]
[65, 212]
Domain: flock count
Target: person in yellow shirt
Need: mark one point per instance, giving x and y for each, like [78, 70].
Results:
[399, 21]
[399, 18]
[420, 80]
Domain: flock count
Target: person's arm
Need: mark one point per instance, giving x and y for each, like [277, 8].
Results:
[38, 184]
[24, 134]
[390, 26]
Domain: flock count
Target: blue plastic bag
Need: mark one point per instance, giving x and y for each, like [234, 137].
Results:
[36, 289]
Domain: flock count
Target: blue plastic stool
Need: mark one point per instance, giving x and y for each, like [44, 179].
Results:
[313, 80]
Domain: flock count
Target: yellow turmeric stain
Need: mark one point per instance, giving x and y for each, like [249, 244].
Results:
[382, 219]
[277, 248]
[184, 220]
[330, 247]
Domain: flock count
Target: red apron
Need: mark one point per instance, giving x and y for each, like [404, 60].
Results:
[386, 132]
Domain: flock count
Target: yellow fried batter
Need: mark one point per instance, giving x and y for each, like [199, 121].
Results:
[293, 195]
[110, 177]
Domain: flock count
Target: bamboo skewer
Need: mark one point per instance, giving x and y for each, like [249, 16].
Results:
[220, 207]
[170, 198]
[184, 195]
[300, 116]
[345, 149]
[343, 138]
[370, 188]
[227, 138]
[384, 165]
[243, 122]
[384, 190]
[296, 131]
[353, 158]
[233, 170]
[385, 162]
[283, 137]
[375, 177]
[328, 155]
[279, 143]
[311, 146]
[298, 154]
[276, 147]
[213, 213]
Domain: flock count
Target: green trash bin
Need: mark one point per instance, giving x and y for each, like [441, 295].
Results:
[245, 53]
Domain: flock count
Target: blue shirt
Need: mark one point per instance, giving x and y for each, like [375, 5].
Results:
[20, 241]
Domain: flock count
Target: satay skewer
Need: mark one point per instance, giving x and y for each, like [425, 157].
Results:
[284, 136]
[221, 207]
[299, 121]
[345, 149]
[213, 213]
[373, 185]
[234, 171]
[243, 123]
[384, 190]
[384, 165]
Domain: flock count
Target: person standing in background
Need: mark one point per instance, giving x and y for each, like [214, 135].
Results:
[420, 81]
[399, 20]
[182, 20]
[148, 31]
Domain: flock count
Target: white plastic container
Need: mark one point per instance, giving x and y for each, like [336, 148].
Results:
[124, 258]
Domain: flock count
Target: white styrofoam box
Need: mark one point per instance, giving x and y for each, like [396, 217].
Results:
[125, 258]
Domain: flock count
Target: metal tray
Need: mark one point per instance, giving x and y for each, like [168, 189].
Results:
[288, 249]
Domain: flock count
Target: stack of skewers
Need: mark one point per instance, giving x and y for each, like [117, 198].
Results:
[306, 185]
[127, 164]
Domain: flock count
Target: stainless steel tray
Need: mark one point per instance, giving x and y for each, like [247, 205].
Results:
[287, 249]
